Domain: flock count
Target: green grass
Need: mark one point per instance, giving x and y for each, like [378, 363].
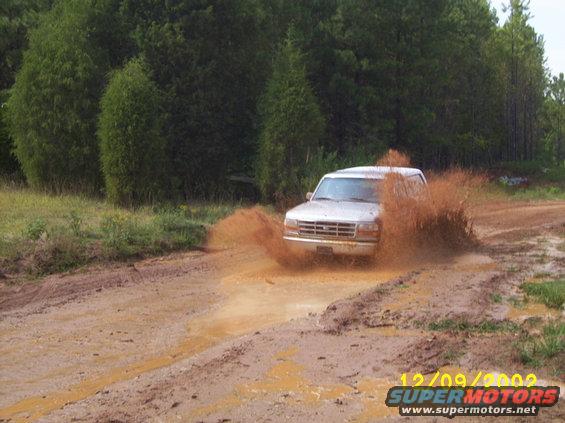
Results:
[537, 193]
[550, 293]
[41, 234]
[548, 346]
[451, 325]
[496, 298]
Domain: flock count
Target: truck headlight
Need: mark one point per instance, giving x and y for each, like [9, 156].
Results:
[370, 230]
[291, 225]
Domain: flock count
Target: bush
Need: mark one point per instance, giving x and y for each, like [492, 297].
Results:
[132, 148]
[179, 231]
[56, 253]
[35, 229]
[54, 103]
[123, 237]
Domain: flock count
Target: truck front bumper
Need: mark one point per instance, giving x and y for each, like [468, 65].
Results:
[331, 246]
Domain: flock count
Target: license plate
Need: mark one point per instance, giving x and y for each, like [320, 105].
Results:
[325, 250]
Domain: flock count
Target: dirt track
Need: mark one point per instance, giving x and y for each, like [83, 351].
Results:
[232, 335]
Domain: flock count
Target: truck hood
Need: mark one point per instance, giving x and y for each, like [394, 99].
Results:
[340, 211]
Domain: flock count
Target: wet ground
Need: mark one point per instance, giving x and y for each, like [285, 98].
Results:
[233, 336]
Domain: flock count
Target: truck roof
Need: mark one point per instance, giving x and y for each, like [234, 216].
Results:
[373, 172]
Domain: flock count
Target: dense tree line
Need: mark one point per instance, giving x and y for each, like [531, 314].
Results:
[147, 99]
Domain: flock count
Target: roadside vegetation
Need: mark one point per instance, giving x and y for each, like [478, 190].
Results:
[461, 325]
[545, 348]
[544, 181]
[144, 101]
[42, 234]
[550, 293]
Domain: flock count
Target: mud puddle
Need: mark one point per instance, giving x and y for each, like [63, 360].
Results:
[256, 295]
[285, 380]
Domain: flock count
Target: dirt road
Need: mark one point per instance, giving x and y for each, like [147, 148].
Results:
[233, 336]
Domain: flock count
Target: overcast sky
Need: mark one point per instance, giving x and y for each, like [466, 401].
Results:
[548, 18]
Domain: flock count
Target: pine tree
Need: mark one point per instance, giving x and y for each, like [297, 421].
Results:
[131, 145]
[292, 124]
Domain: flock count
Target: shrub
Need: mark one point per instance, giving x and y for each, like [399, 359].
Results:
[122, 236]
[56, 253]
[54, 102]
[35, 229]
[132, 148]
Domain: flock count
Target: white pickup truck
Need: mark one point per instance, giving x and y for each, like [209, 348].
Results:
[342, 215]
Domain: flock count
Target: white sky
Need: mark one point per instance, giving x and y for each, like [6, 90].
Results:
[548, 19]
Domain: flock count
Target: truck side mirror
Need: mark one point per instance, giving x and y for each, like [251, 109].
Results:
[309, 196]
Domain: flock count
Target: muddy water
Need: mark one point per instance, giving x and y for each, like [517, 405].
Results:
[257, 294]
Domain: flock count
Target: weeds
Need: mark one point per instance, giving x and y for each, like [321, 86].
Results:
[42, 234]
[550, 293]
[35, 229]
[549, 344]
[451, 325]
[496, 298]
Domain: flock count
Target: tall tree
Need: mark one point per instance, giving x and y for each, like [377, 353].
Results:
[53, 105]
[555, 117]
[131, 145]
[523, 60]
[17, 17]
[207, 57]
[291, 126]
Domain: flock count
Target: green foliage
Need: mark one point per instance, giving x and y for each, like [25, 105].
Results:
[541, 349]
[132, 147]
[35, 229]
[75, 223]
[550, 293]
[441, 80]
[210, 61]
[291, 127]
[466, 326]
[38, 234]
[53, 104]
[18, 16]
[322, 162]
[555, 120]
[8, 162]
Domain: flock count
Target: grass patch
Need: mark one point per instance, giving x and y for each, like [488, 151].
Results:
[451, 325]
[496, 298]
[548, 346]
[452, 355]
[42, 234]
[550, 293]
[536, 193]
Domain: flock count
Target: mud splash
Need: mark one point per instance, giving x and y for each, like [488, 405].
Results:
[255, 226]
[418, 223]
[425, 221]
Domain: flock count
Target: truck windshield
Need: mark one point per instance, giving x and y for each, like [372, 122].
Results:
[348, 189]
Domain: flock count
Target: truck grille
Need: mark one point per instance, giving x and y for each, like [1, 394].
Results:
[326, 229]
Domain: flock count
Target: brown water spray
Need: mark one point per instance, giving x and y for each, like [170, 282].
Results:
[423, 222]
[417, 224]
